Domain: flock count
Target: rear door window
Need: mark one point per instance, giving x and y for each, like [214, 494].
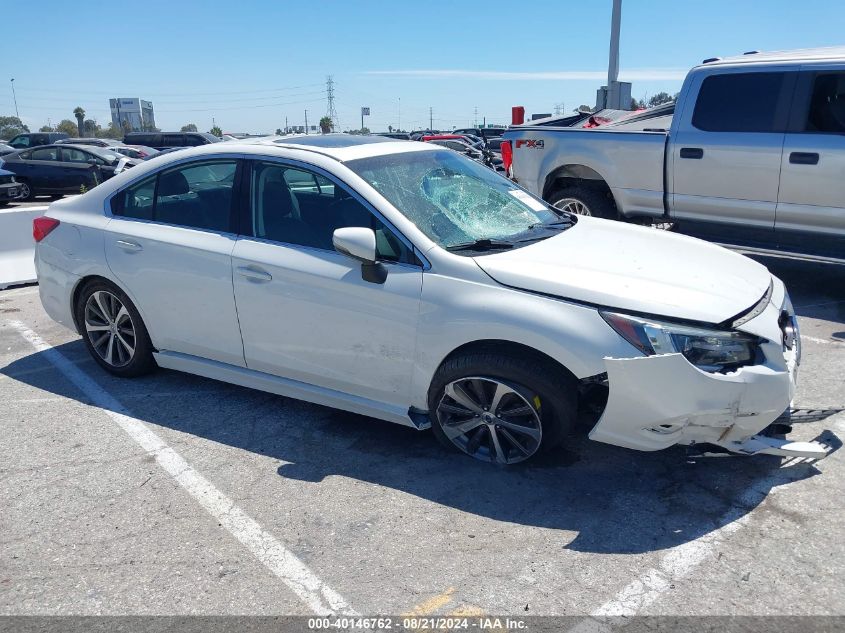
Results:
[174, 140]
[743, 102]
[45, 153]
[826, 113]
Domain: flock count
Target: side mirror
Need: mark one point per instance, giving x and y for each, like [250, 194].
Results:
[359, 243]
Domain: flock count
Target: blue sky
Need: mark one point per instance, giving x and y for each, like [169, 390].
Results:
[249, 64]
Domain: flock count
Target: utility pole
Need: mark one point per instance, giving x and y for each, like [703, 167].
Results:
[15, 97]
[330, 109]
[430, 118]
[286, 124]
[306, 121]
[400, 113]
[475, 121]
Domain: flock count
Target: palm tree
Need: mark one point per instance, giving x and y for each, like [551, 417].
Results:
[79, 113]
[326, 124]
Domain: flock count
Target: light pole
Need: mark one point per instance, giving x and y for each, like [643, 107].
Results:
[15, 97]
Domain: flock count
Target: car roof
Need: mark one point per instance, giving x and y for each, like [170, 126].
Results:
[341, 147]
[797, 56]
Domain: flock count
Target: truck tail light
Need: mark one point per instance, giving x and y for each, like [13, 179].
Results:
[507, 157]
[41, 227]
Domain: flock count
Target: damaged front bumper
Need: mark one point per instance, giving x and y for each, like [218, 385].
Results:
[658, 401]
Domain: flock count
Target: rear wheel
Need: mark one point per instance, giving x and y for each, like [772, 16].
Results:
[581, 200]
[500, 408]
[113, 330]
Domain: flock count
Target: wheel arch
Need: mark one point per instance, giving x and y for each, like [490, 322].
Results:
[84, 281]
[571, 174]
[506, 348]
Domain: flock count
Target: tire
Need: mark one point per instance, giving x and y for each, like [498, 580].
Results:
[537, 396]
[582, 200]
[126, 351]
[27, 192]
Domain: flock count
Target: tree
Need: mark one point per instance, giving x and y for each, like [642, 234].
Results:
[191, 127]
[659, 99]
[11, 126]
[68, 127]
[638, 105]
[112, 131]
[326, 124]
[46, 128]
[79, 113]
[91, 128]
[278, 131]
[216, 131]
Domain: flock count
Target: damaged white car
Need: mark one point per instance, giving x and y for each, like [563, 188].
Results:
[409, 283]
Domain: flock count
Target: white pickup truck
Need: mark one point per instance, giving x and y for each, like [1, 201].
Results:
[752, 155]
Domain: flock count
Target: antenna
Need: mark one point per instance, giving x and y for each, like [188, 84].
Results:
[330, 109]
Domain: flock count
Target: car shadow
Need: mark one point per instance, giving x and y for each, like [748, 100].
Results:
[614, 500]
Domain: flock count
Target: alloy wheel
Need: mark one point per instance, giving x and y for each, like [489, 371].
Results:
[490, 420]
[25, 192]
[573, 205]
[109, 328]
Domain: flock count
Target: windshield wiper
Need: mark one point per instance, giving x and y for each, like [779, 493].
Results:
[563, 223]
[484, 244]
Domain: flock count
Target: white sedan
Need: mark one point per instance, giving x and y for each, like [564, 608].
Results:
[406, 282]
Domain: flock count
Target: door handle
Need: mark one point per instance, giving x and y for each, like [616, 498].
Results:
[692, 152]
[254, 273]
[129, 246]
[804, 158]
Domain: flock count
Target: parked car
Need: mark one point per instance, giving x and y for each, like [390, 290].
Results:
[136, 151]
[6, 149]
[431, 292]
[165, 140]
[10, 189]
[62, 169]
[460, 144]
[400, 136]
[96, 142]
[751, 155]
[482, 132]
[31, 139]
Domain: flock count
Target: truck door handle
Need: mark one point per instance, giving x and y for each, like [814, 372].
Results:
[804, 158]
[254, 273]
[692, 152]
[129, 246]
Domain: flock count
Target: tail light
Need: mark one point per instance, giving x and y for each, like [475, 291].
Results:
[41, 227]
[507, 157]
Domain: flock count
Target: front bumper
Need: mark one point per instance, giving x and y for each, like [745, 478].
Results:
[658, 401]
[9, 192]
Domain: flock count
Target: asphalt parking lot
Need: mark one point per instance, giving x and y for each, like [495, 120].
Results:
[173, 494]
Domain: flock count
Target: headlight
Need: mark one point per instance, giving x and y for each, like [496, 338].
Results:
[709, 350]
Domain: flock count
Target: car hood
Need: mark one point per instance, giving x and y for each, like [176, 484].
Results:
[633, 268]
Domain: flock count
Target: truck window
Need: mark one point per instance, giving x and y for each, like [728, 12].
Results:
[740, 102]
[827, 105]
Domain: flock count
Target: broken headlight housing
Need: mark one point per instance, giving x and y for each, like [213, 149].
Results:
[708, 349]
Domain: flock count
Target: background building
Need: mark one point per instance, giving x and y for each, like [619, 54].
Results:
[133, 114]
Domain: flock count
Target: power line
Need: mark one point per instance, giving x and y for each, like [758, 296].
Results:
[169, 94]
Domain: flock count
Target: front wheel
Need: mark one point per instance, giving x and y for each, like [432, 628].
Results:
[113, 330]
[500, 408]
[27, 192]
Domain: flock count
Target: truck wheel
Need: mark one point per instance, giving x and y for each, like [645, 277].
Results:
[585, 201]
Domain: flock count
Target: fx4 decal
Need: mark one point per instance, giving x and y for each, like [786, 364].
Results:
[530, 143]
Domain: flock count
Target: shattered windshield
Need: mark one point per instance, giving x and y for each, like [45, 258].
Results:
[457, 202]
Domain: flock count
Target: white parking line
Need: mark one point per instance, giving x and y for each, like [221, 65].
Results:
[678, 562]
[319, 597]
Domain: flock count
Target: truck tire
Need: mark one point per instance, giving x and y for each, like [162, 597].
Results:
[581, 200]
